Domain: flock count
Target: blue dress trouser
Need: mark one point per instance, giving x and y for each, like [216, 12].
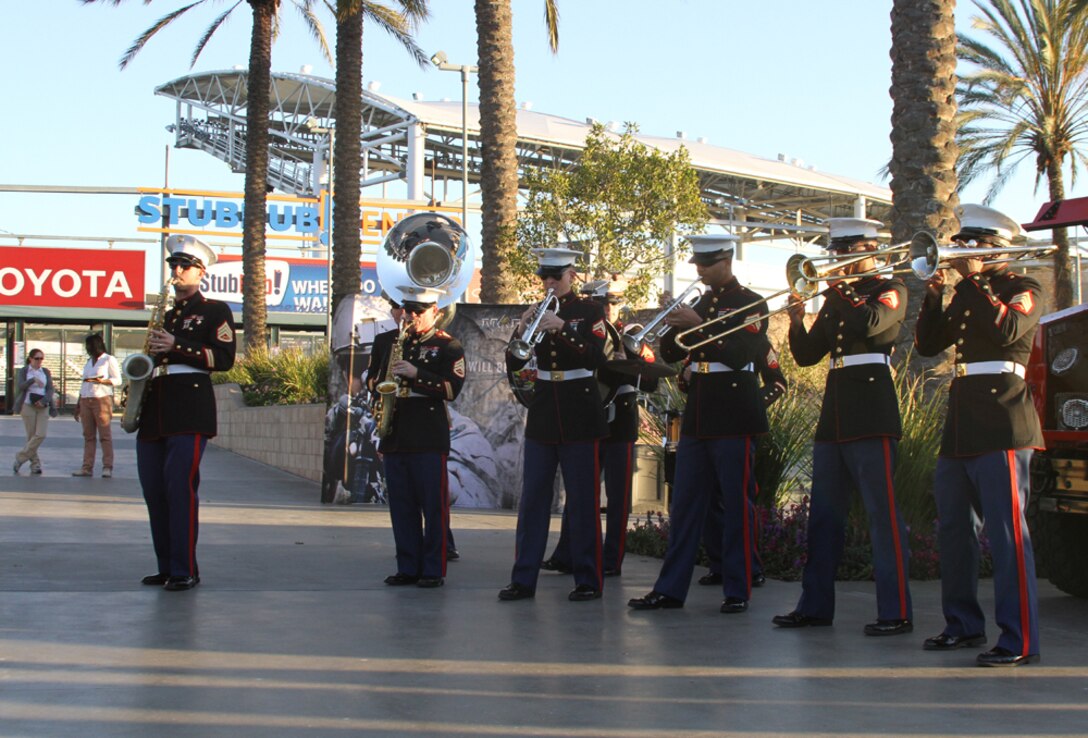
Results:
[617, 459]
[581, 479]
[994, 488]
[418, 490]
[169, 471]
[867, 465]
[706, 469]
[712, 534]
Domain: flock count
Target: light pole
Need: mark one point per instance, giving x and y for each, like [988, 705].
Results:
[313, 126]
[440, 61]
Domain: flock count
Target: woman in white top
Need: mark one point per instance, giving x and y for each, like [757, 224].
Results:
[34, 402]
[95, 408]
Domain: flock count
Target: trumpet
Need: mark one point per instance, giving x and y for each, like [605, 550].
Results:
[522, 346]
[799, 285]
[930, 257]
[654, 329]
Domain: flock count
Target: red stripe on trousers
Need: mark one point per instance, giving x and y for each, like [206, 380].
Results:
[597, 508]
[193, 471]
[890, 485]
[444, 491]
[745, 518]
[1018, 540]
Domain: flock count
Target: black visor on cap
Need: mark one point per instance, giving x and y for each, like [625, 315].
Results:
[184, 260]
[713, 257]
[411, 306]
[554, 272]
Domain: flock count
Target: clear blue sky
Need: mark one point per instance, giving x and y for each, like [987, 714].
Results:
[808, 79]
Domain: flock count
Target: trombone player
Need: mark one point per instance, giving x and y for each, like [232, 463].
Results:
[858, 430]
[990, 434]
[723, 417]
[566, 421]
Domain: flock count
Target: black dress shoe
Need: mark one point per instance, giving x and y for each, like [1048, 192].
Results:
[710, 579]
[734, 605]
[758, 580]
[452, 554]
[180, 584]
[888, 627]
[946, 642]
[399, 580]
[430, 582]
[155, 580]
[553, 565]
[798, 620]
[584, 593]
[998, 656]
[655, 601]
[515, 591]
[611, 572]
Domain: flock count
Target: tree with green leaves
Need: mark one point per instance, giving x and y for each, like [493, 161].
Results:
[258, 107]
[1023, 94]
[498, 141]
[622, 201]
[923, 163]
[348, 107]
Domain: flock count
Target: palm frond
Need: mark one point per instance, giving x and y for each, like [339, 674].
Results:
[316, 30]
[399, 27]
[154, 28]
[551, 22]
[210, 31]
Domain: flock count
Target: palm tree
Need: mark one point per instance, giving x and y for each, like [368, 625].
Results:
[265, 20]
[923, 164]
[348, 114]
[1026, 96]
[498, 141]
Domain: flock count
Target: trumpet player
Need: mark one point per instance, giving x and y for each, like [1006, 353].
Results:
[990, 434]
[566, 420]
[429, 373]
[722, 419]
[178, 412]
[857, 433]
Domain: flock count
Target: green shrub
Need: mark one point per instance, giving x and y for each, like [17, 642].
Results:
[288, 377]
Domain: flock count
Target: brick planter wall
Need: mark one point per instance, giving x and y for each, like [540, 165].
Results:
[288, 437]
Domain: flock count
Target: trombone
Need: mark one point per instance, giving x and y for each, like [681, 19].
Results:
[522, 346]
[649, 333]
[800, 285]
[929, 257]
[806, 267]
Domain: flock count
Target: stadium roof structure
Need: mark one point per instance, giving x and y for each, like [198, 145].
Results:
[420, 143]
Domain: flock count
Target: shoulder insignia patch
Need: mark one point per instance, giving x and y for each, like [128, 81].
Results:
[224, 333]
[772, 359]
[459, 367]
[599, 330]
[1023, 303]
[889, 298]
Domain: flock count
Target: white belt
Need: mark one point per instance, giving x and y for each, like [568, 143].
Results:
[171, 369]
[711, 367]
[990, 367]
[858, 359]
[562, 375]
[625, 389]
[403, 392]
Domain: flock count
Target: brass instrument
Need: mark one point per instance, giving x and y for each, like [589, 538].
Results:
[137, 368]
[385, 403]
[929, 257]
[799, 285]
[649, 333]
[522, 346]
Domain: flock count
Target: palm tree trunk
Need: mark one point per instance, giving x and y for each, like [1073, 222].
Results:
[348, 114]
[923, 165]
[498, 140]
[1063, 268]
[254, 308]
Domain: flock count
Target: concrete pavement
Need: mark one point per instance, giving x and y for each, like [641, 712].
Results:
[292, 633]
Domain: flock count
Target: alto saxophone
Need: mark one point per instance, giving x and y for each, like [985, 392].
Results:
[137, 368]
[385, 404]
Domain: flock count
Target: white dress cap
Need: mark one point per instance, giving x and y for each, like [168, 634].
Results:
[556, 258]
[981, 220]
[708, 248]
[192, 247]
[854, 229]
[422, 295]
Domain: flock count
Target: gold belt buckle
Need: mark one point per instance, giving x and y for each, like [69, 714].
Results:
[703, 367]
[837, 363]
[961, 370]
[557, 376]
[403, 391]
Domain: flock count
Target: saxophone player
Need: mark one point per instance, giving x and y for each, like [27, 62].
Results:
[428, 366]
[178, 413]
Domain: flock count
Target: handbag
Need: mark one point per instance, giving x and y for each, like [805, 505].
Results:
[34, 399]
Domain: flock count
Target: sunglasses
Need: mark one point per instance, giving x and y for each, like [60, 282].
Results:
[183, 263]
[416, 309]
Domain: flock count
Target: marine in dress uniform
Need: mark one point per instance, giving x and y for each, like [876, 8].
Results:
[566, 420]
[616, 453]
[774, 386]
[857, 434]
[430, 373]
[178, 414]
[722, 419]
[989, 436]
